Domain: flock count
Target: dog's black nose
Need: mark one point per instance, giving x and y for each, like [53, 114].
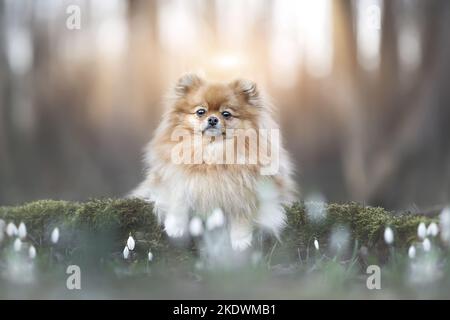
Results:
[212, 121]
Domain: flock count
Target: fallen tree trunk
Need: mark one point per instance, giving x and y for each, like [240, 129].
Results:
[101, 227]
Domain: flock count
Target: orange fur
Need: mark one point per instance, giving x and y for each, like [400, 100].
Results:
[239, 190]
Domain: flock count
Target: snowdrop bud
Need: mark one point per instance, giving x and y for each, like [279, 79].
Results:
[426, 245]
[11, 229]
[316, 207]
[150, 256]
[22, 231]
[432, 229]
[196, 227]
[17, 245]
[55, 235]
[339, 239]
[316, 244]
[422, 231]
[412, 252]
[199, 265]
[215, 220]
[2, 228]
[256, 258]
[444, 221]
[32, 252]
[131, 243]
[388, 235]
[126, 252]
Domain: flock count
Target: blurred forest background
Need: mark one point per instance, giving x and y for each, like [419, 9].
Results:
[362, 88]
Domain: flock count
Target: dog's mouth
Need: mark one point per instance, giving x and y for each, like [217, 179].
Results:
[212, 131]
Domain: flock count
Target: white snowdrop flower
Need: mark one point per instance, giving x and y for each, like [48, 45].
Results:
[215, 220]
[131, 243]
[316, 244]
[22, 231]
[388, 235]
[126, 252]
[315, 206]
[422, 230]
[433, 229]
[32, 252]
[339, 239]
[196, 227]
[425, 271]
[150, 256]
[426, 245]
[11, 229]
[17, 245]
[55, 235]
[444, 222]
[199, 265]
[2, 228]
[412, 252]
[256, 258]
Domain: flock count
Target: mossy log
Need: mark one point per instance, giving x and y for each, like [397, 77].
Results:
[102, 227]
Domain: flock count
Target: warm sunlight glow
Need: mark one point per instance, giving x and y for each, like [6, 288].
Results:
[409, 49]
[301, 34]
[285, 50]
[109, 20]
[178, 26]
[315, 31]
[235, 20]
[225, 61]
[369, 15]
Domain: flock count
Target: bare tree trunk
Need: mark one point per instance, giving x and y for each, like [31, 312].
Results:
[348, 77]
[415, 115]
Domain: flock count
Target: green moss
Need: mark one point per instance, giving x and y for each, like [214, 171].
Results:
[364, 224]
[102, 226]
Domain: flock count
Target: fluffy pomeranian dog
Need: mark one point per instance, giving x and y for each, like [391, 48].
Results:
[218, 147]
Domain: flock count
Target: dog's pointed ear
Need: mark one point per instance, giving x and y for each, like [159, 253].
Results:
[248, 89]
[187, 83]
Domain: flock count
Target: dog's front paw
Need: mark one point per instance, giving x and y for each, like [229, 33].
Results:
[241, 243]
[175, 227]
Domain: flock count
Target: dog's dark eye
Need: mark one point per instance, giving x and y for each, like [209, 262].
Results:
[226, 114]
[200, 112]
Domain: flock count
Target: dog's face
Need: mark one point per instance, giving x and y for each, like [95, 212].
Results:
[215, 109]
